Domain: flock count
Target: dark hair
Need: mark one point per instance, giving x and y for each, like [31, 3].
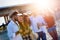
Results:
[14, 13]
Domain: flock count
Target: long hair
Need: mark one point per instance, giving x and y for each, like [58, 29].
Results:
[25, 25]
[26, 20]
[21, 24]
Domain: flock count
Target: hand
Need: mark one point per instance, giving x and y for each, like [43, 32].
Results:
[39, 25]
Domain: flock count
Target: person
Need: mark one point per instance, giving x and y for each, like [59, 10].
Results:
[51, 27]
[25, 30]
[12, 27]
[38, 26]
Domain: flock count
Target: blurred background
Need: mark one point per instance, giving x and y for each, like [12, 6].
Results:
[41, 7]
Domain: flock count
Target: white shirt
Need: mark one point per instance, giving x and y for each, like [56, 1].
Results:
[12, 28]
[34, 21]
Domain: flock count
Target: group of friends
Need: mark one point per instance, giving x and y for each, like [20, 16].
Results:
[31, 27]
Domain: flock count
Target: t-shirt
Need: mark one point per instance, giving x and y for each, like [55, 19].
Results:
[34, 21]
[12, 28]
[49, 20]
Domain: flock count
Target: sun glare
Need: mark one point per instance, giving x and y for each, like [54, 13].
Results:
[42, 4]
[45, 5]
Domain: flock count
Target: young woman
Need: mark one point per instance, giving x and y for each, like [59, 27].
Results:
[25, 30]
[51, 27]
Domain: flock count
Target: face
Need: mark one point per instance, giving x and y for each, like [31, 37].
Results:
[26, 18]
[20, 18]
[15, 17]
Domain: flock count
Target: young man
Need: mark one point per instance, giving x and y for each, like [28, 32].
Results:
[12, 27]
[38, 24]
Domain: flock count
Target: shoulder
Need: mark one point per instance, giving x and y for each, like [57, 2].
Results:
[10, 23]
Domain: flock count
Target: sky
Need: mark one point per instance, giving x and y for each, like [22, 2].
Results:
[8, 3]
